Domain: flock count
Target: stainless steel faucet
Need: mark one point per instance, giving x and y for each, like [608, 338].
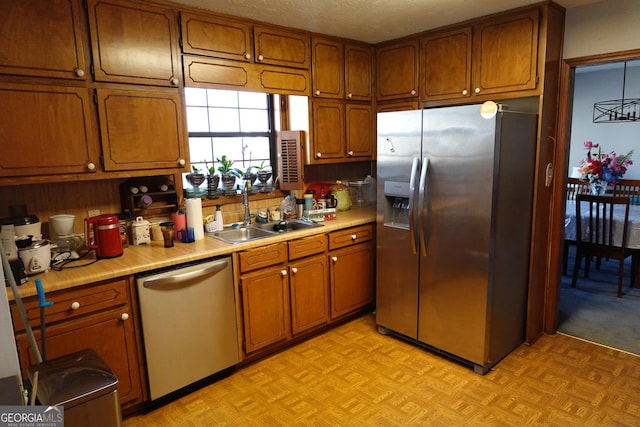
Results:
[245, 202]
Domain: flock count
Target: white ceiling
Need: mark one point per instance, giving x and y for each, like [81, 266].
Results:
[371, 21]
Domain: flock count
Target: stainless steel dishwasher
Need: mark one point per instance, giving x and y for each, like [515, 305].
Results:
[188, 317]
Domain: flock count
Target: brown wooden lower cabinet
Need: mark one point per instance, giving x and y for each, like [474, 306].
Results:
[265, 304]
[284, 298]
[99, 317]
[309, 286]
[351, 273]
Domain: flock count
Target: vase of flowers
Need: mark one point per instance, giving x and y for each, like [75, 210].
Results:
[601, 170]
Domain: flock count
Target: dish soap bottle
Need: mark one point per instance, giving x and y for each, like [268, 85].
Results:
[341, 193]
[217, 219]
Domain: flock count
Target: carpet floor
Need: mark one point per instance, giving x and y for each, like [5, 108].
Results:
[593, 312]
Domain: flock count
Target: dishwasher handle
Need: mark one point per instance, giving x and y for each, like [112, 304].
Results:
[175, 279]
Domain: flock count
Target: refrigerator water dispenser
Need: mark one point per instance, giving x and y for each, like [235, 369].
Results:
[396, 204]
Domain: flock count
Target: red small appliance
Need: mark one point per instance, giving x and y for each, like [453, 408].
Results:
[103, 235]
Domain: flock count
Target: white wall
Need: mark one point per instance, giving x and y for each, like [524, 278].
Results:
[603, 27]
[593, 86]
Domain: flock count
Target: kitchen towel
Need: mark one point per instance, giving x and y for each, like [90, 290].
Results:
[194, 217]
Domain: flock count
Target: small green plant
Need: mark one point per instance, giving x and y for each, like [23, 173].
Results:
[195, 169]
[226, 167]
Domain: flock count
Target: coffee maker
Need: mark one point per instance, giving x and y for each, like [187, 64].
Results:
[61, 232]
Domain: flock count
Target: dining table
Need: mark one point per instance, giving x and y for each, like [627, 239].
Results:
[633, 227]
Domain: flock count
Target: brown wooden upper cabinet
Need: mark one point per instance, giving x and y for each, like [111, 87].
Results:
[217, 38]
[342, 132]
[225, 38]
[358, 72]
[281, 47]
[47, 130]
[134, 42]
[141, 129]
[43, 39]
[495, 55]
[397, 70]
[341, 71]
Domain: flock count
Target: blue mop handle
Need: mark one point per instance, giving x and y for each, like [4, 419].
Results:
[41, 299]
[43, 330]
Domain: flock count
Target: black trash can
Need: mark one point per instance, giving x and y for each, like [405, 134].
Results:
[84, 384]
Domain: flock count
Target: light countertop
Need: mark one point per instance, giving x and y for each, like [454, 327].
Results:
[136, 259]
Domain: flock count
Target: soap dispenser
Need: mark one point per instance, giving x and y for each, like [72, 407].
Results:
[217, 219]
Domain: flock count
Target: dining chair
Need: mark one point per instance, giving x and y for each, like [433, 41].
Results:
[595, 233]
[574, 186]
[628, 188]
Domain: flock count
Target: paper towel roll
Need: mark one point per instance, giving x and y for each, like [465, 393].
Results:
[194, 217]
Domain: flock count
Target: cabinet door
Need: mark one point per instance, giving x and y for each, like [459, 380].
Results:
[358, 72]
[280, 47]
[46, 130]
[134, 42]
[328, 131]
[359, 131]
[351, 274]
[309, 282]
[397, 70]
[42, 38]
[110, 333]
[141, 129]
[505, 53]
[446, 64]
[328, 68]
[265, 305]
[215, 37]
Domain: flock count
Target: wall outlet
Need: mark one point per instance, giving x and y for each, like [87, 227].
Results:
[93, 212]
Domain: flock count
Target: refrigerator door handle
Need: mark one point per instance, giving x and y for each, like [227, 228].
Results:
[422, 209]
[412, 205]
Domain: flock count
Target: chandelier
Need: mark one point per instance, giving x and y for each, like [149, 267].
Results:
[617, 110]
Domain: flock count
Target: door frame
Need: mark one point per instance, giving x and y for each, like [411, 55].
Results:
[565, 107]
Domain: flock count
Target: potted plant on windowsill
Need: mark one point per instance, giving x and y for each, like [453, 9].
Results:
[228, 173]
[195, 178]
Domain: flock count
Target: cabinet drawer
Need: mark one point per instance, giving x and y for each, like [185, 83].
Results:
[73, 303]
[307, 246]
[350, 236]
[262, 257]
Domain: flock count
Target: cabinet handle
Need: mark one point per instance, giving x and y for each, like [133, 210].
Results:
[354, 237]
[75, 305]
[349, 95]
[464, 92]
[334, 258]
[247, 56]
[124, 316]
[260, 57]
[182, 162]
[294, 270]
[175, 81]
[318, 154]
[91, 166]
[317, 93]
[283, 272]
[477, 90]
[350, 153]
[413, 92]
[79, 72]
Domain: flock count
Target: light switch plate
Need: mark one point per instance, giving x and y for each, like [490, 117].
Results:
[93, 212]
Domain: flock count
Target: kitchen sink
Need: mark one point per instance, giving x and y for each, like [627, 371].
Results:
[241, 234]
[260, 231]
[292, 225]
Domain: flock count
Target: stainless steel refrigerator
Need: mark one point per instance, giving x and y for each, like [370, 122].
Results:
[454, 202]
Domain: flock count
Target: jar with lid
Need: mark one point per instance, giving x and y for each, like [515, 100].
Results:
[341, 193]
